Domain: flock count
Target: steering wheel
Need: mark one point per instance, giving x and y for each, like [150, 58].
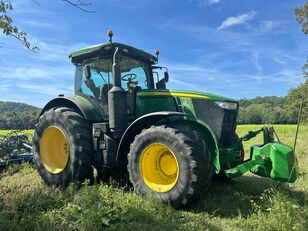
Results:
[129, 77]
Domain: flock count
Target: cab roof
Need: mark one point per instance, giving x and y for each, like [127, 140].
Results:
[105, 50]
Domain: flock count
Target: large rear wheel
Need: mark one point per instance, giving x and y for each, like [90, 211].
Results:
[62, 147]
[171, 163]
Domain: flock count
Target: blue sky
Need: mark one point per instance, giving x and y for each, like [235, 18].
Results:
[241, 49]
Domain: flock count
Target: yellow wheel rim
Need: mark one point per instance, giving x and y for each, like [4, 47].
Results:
[54, 150]
[159, 167]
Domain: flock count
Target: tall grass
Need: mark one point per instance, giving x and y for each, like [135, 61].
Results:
[246, 203]
[6, 132]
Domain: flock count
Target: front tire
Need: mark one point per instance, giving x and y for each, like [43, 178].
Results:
[172, 164]
[62, 147]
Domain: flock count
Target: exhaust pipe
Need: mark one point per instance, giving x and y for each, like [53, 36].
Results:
[117, 100]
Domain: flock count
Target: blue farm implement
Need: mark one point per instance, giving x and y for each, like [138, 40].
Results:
[15, 149]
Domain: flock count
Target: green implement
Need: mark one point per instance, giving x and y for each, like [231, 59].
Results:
[271, 159]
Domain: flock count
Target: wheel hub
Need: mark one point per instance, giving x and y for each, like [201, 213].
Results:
[54, 151]
[159, 167]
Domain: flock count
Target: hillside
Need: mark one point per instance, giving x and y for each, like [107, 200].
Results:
[16, 107]
[17, 115]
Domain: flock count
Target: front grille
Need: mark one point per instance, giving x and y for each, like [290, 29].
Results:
[222, 121]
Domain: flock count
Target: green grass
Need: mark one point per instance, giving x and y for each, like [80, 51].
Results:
[6, 132]
[246, 203]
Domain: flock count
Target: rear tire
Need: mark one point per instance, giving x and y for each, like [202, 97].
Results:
[62, 147]
[172, 164]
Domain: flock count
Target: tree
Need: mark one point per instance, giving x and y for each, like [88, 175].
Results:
[294, 99]
[301, 14]
[267, 110]
[80, 5]
[8, 28]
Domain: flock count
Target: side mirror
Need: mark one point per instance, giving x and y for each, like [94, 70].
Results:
[87, 71]
[166, 76]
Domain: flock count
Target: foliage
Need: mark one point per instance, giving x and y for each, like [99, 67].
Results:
[246, 203]
[265, 110]
[273, 109]
[294, 99]
[17, 115]
[8, 27]
[22, 120]
[301, 14]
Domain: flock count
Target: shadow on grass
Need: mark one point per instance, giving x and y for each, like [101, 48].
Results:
[237, 197]
[139, 219]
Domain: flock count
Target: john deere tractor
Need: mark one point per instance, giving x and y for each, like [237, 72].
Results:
[123, 120]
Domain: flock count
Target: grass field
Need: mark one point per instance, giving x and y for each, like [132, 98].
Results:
[6, 132]
[246, 203]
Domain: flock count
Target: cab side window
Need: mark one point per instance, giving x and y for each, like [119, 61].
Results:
[99, 78]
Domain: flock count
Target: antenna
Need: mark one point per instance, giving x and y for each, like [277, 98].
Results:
[298, 122]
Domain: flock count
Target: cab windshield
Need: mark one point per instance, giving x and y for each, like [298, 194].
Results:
[133, 72]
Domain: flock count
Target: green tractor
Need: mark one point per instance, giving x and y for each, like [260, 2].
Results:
[123, 121]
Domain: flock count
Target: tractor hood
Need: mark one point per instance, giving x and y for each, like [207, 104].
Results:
[182, 93]
[217, 112]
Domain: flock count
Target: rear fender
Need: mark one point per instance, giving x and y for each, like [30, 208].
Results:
[82, 105]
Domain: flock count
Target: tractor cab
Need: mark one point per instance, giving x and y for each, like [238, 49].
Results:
[93, 76]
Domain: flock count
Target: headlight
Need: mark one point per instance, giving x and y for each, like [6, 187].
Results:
[226, 105]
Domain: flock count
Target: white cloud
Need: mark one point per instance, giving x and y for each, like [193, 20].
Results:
[46, 89]
[269, 25]
[207, 2]
[56, 52]
[227, 40]
[29, 73]
[44, 24]
[244, 84]
[256, 61]
[231, 21]
[213, 2]
[38, 73]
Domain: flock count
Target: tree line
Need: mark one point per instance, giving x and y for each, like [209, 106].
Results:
[264, 110]
[273, 109]
[260, 110]
[18, 115]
